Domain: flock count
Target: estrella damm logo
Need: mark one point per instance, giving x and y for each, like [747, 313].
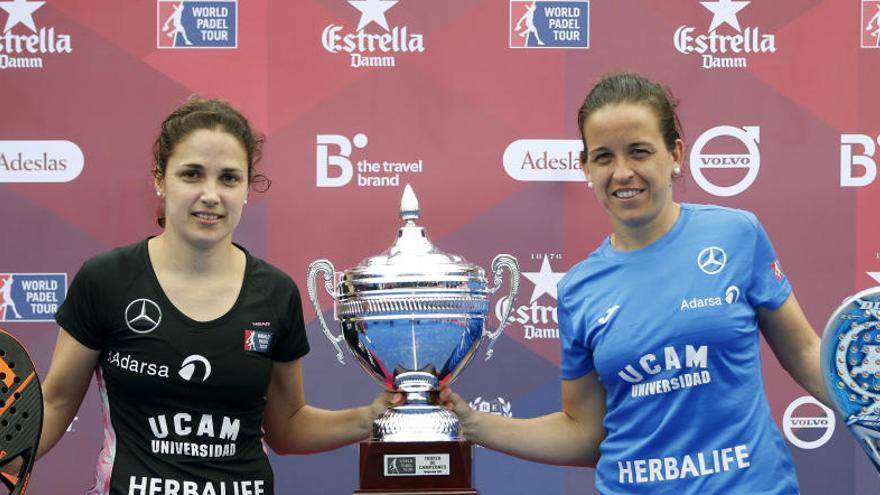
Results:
[197, 24]
[549, 24]
[31, 296]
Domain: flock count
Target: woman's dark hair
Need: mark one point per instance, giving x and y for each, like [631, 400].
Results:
[633, 88]
[202, 113]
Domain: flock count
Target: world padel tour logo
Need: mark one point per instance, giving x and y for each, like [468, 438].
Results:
[23, 45]
[31, 296]
[870, 23]
[538, 318]
[725, 43]
[374, 43]
[197, 24]
[549, 24]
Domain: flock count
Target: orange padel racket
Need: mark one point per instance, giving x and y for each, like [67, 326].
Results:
[21, 415]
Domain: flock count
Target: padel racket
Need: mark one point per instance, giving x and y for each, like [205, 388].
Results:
[851, 367]
[21, 415]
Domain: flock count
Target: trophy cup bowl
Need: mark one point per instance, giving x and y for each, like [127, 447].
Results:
[851, 367]
[413, 317]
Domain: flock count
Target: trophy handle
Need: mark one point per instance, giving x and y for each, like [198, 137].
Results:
[326, 267]
[509, 262]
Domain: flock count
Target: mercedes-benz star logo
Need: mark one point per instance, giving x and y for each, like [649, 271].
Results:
[711, 260]
[142, 316]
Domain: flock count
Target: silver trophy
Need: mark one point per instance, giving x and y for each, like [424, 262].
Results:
[851, 367]
[413, 317]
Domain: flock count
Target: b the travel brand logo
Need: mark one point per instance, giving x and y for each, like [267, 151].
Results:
[870, 24]
[822, 419]
[544, 160]
[335, 168]
[40, 161]
[539, 319]
[372, 48]
[549, 24]
[498, 406]
[726, 165]
[22, 45]
[849, 160]
[197, 24]
[714, 47]
[26, 297]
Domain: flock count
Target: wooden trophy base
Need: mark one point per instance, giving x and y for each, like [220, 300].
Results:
[416, 468]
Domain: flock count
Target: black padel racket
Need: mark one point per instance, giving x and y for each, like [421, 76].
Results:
[21, 415]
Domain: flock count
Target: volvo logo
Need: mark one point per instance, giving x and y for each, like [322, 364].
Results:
[750, 161]
[711, 260]
[823, 422]
[142, 316]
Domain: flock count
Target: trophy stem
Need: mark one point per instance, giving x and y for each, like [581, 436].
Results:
[419, 398]
[416, 384]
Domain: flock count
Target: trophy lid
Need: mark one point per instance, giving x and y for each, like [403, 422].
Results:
[412, 263]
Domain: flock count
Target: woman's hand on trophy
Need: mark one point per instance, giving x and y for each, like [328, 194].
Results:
[455, 403]
[382, 402]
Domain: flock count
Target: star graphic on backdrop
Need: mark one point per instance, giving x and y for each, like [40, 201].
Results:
[874, 275]
[372, 11]
[545, 281]
[20, 12]
[724, 12]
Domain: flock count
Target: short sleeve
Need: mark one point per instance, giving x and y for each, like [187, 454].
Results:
[77, 314]
[577, 357]
[769, 287]
[291, 343]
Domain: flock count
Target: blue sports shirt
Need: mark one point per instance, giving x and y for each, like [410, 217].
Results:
[671, 331]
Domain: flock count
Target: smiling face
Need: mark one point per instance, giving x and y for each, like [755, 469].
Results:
[630, 167]
[205, 185]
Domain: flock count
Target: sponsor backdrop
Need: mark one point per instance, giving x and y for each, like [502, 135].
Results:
[473, 102]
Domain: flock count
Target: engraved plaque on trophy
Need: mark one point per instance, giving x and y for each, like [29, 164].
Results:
[413, 317]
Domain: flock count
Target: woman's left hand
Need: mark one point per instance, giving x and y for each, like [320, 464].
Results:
[382, 402]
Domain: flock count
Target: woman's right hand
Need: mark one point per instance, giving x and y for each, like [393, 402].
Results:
[455, 403]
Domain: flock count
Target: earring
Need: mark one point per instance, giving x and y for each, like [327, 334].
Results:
[245, 201]
[590, 184]
[158, 193]
[676, 172]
